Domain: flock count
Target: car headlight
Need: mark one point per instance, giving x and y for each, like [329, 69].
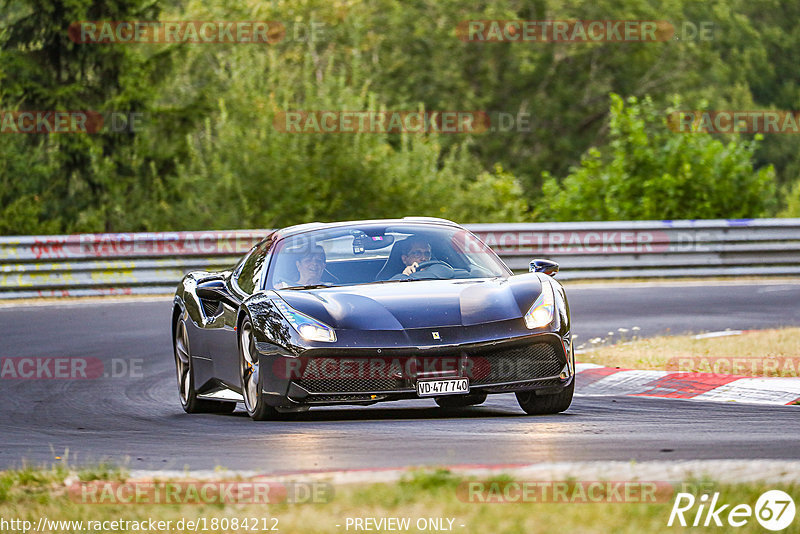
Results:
[542, 312]
[308, 327]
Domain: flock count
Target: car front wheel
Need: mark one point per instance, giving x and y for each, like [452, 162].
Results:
[251, 374]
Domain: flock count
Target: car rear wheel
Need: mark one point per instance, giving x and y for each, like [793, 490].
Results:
[183, 366]
[252, 377]
[546, 404]
[460, 401]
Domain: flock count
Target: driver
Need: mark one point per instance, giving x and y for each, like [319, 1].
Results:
[415, 251]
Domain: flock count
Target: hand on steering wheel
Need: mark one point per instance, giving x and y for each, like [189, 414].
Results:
[411, 269]
[417, 267]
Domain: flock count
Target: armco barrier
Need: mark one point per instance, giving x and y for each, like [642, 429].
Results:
[109, 264]
[141, 263]
[628, 249]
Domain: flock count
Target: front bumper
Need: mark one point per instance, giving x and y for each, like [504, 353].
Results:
[542, 362]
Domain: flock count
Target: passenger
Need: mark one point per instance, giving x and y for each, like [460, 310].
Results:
[310, 268]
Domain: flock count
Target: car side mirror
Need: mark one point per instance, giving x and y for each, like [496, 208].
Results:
[543, 266]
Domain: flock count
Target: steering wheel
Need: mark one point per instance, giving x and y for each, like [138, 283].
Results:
[433, 269]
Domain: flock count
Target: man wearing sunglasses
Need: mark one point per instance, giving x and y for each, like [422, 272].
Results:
[415, 251]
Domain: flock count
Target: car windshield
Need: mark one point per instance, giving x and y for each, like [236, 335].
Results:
[380, 253]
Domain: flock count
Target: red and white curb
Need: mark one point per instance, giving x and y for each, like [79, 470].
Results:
[596, 380]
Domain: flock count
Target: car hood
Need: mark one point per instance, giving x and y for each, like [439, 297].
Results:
[418, 304]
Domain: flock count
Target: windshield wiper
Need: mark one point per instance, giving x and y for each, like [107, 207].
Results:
[399, 280]
[319, 286]
[309, 286]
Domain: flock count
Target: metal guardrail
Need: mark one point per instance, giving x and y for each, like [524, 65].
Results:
[652, 249]
[114, 264]
[145, 263]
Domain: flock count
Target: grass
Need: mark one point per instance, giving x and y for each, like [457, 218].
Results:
[30, 494]
[757, 353]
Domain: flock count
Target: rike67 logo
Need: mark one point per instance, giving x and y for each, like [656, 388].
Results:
[774, 510]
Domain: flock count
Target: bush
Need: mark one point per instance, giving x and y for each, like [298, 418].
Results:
[792, 208]
[243, 171]
[647, 171]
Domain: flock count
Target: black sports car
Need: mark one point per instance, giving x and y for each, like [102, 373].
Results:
[368, 311]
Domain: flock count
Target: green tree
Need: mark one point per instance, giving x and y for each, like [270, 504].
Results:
[261, 176]
[208, 109]
[94, 182]
[792, 198]
[648, 171]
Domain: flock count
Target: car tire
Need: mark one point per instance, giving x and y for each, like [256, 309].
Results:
[546, 404]
[185, 372]
[251, 375]
[460, 401]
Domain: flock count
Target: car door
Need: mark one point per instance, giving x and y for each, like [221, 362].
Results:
[242, 282]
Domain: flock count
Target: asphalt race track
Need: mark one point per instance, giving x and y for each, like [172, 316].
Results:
[137, 420]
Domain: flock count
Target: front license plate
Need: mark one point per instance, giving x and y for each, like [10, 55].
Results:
[447, 386]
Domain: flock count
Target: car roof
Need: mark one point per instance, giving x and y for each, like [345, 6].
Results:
[307, 227]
